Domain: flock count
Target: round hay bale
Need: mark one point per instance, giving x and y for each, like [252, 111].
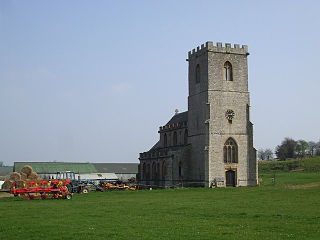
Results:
[7, 184]
[33, 176]
[23, 176]
[20, 183]
[27, 170]
[15, 176]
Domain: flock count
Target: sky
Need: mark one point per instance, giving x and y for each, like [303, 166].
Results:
[92, 81]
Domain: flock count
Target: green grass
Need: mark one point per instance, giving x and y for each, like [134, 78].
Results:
[308, 164]
[270, 211]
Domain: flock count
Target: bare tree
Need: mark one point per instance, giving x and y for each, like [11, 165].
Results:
[312, 148]
[261, 154]
[268, 153]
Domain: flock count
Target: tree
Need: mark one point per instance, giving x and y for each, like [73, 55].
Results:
[301, 147]
[312, 148]
[317, 149]
[286, 149]
[261, 154]
[268, 153]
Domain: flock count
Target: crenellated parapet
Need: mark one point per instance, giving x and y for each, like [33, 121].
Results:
[154, 154]
[218, 48]
[173, 126]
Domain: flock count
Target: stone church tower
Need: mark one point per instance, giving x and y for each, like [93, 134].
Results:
[212, 143]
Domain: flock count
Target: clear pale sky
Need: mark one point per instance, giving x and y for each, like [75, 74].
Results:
[91, 81]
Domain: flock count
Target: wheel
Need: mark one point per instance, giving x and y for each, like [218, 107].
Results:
[68, 196]
[85, 190]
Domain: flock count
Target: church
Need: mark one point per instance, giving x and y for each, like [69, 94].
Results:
[211, 144]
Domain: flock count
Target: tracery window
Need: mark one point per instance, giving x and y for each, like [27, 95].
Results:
[228, 71]
[230, 151]
[197, 73]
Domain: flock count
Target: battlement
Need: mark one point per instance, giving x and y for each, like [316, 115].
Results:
[172, 126]
[218, 48]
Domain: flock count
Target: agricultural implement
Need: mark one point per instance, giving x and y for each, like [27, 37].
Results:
[109, 186]
[43, 189]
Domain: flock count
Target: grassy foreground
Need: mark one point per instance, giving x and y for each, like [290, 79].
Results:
[289, 209]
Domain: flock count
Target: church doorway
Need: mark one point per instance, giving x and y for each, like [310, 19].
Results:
[230, 178]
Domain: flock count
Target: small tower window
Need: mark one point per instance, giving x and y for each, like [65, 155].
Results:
[230, 151]
[197, 73]
[228, 71]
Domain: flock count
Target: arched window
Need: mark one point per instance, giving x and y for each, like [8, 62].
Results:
[197, 73]
[228, 71]
[186, 136]
[180, 169]
[165, 140]
[144, 171]
[154, 171]
[230, 151]
[175, 139]
[148, 172]
[164, 170]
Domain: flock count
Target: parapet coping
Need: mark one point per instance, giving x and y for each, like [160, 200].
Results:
[218, 48]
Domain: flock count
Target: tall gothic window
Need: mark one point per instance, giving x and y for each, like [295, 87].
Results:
[165, 140]
[186, 136]
[197, 73]
[144, 171]
[154, 171]
[230, 151]
[164, 170]
[175, 139]
[180, 169]
[228, 71]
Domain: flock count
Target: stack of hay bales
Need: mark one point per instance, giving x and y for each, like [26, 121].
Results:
[26, 175]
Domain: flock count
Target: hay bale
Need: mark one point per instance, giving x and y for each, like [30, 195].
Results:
[15, 176]
[27, 170]
[24, 176]
[7, 184]
[33, 176]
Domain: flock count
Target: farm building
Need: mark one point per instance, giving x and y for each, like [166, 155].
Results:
[4, 171]
[122, 171]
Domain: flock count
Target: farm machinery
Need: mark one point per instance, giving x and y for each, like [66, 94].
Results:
[43, 189]
[74, 185]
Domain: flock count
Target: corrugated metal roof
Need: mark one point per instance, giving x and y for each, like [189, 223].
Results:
[4, 171]
[53, 167]
[98, 176]
[116, 167]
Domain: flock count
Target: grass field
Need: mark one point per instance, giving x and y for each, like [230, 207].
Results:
[271, 211]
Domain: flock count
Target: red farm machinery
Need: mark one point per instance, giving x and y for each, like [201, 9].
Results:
[43, 189]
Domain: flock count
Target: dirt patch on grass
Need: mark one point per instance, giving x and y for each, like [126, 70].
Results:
[303, 186]
[5, 195]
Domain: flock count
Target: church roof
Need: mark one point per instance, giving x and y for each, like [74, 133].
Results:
[180, 117]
